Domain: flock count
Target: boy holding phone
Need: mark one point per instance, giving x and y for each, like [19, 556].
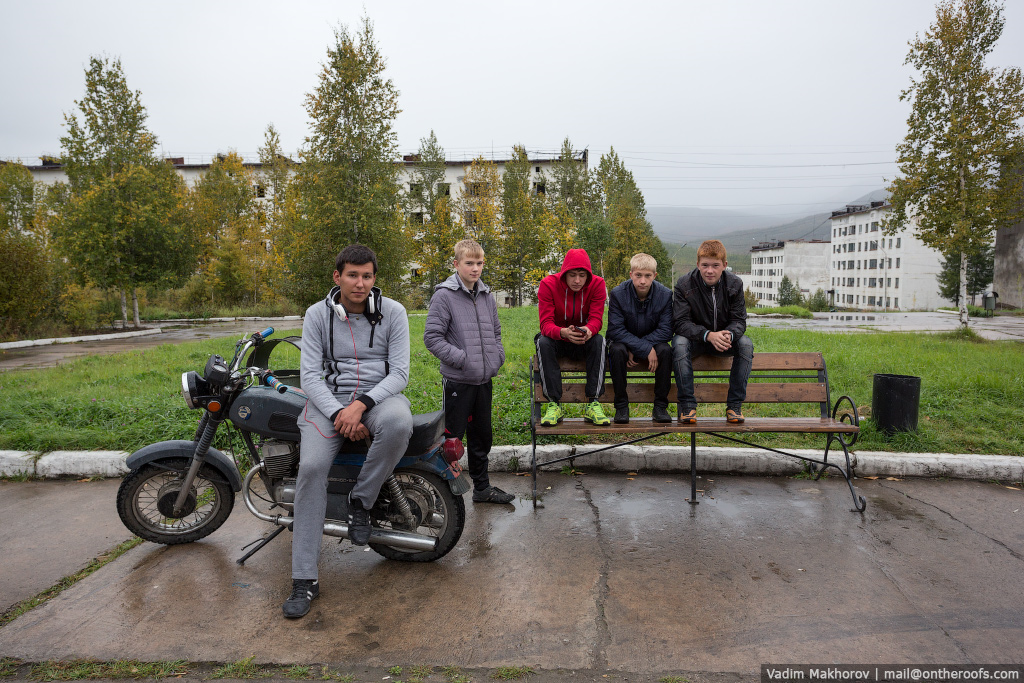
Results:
[571, 310]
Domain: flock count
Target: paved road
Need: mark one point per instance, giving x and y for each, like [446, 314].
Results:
[53, 354]
[998, 328]
[615, 575]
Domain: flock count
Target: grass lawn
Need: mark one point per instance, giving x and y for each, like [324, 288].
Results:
[971, 392]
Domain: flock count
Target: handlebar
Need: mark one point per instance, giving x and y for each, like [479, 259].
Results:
[267, 332]
[276, 384]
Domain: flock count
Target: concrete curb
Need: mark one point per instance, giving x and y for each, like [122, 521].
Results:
[71, 340]
[752, 461]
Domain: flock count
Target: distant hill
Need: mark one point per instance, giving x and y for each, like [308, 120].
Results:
[737, 243]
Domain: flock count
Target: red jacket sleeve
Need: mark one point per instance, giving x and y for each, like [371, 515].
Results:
[546, 310]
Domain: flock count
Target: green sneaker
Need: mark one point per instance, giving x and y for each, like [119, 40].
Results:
[552, 415]
[595, 413]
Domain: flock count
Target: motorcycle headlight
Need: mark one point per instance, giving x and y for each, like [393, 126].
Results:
[192, 387]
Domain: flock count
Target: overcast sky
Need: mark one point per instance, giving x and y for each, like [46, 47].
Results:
[766, 107]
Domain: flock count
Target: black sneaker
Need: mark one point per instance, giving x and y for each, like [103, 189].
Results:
[304, 592]
[492, 494]
[621, 415]
[660, 414]
[358, 523]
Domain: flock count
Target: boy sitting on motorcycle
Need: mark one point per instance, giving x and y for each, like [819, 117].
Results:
[354, 366]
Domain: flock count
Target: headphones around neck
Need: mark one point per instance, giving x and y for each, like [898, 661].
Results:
[371, 306]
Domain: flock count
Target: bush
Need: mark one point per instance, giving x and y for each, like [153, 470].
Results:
[84, 308]
[818, 301]
[749, 298]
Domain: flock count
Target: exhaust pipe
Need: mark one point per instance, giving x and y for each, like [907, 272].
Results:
[403, 540]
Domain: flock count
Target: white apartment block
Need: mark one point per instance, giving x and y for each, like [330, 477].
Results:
[804, 262]
[874, 271]
[51, 171]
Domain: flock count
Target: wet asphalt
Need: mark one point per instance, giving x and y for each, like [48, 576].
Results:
[614, 576]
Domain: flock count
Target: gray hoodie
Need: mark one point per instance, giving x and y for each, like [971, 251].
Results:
[463, 332]
[363, 357]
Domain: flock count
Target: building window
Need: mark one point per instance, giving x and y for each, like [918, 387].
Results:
[416, 218]
[260, 190]
[888, 282]
[444, 189]
[897, 242]
[871, 301]
[897, 261]
[416, 189]
[872, 264]
[897, 283]
[874, 227]
[471, 219]
[538, 188]
[538, 169]
[890, 243]
[896, 302]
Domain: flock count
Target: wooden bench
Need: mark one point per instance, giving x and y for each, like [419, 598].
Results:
[799, 378]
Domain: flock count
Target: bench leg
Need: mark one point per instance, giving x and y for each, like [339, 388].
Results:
[693, 469]
[533, 467]
[859, 503]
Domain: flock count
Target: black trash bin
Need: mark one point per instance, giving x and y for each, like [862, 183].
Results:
[894, 403]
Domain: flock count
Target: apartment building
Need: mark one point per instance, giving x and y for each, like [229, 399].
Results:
[871, 270]
[805, 262]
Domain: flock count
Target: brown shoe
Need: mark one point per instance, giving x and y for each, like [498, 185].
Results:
[688, 417]
[734, 416]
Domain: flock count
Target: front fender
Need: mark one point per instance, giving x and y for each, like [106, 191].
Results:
[180, 448]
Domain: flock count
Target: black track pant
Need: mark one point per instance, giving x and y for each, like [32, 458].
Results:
[618, 355]
[467, 412]
[549, 350]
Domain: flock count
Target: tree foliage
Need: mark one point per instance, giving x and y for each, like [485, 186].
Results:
[980, 270]
[431, 229]
[120, 224]
[28, 287]
[962, 130]
[346, 187]
[626, 216]
[789, 292]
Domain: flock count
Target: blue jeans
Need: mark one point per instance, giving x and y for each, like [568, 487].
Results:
[683, 353]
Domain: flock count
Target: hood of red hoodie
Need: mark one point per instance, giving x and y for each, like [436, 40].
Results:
[576, 258]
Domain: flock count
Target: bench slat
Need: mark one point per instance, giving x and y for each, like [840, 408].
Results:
[705, 392]
[704, 424]
[762, 361]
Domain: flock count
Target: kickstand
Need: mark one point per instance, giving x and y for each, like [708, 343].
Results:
[259, 545]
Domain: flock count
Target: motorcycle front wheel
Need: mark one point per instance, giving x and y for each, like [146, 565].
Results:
[436, 510]
[146, 497]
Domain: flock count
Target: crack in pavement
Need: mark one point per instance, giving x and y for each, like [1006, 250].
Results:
[604, 637]
[1013, 553]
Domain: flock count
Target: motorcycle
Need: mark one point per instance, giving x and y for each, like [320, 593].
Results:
[180, 491]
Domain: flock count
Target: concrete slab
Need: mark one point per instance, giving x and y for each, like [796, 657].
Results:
[16, 463]
[57, 464]
[51, 529]
[614, 573]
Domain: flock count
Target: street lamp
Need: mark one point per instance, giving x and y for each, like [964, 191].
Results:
[674, 256]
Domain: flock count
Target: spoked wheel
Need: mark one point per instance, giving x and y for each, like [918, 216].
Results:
[145, 502]
[436, 512]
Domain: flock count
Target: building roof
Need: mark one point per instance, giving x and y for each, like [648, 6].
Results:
[853, 209]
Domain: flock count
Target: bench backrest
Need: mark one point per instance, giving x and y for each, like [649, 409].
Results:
[774, 378]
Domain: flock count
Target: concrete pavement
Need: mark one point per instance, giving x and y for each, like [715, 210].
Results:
[615, 576]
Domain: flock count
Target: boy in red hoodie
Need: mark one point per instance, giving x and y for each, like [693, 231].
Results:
[571, 308]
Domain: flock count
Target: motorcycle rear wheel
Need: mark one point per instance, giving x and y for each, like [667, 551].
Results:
[146, 490]
[439, 512]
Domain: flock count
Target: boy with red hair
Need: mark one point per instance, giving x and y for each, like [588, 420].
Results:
[710, 316]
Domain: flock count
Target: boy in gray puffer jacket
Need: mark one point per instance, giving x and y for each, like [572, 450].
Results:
[464, 333]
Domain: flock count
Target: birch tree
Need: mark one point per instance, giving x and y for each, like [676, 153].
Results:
[962, 130]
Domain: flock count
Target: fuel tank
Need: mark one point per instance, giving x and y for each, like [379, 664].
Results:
[264, 411]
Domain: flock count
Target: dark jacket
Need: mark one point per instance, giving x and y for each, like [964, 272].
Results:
[640, 324]
[463, 332]
[698, 309]
[558, 306]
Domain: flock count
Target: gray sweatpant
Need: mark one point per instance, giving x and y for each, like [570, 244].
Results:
[390, 422]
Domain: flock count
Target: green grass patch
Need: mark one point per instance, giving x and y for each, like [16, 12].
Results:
[795, 311]
[243, 668]
[87, 669]
[673, 679]
[8, 666]
[511, 673]
[17, 610]
[970, 391]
